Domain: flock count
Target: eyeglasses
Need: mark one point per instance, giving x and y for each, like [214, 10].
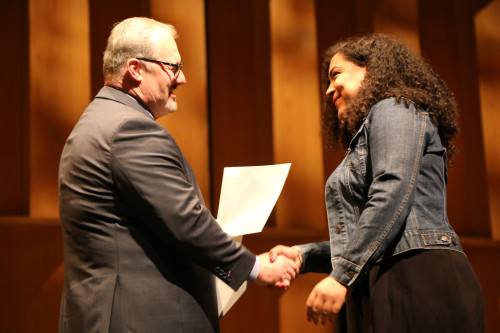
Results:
[177, 67]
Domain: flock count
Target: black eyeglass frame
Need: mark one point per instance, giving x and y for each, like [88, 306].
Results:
[178, 67]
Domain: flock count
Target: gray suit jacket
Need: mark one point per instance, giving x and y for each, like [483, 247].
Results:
[139, 243]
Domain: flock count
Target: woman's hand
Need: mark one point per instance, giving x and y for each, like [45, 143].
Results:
[325, 300]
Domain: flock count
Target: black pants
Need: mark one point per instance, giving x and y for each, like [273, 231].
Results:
[421, 291]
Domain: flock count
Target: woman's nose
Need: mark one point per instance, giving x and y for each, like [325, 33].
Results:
[330, 90]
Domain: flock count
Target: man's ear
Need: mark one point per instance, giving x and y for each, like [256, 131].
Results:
[135, 69]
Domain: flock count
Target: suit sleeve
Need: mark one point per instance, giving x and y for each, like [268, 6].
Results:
[152, 180]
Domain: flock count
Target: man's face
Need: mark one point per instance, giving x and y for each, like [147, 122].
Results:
[158, 85]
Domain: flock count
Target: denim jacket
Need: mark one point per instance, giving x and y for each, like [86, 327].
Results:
[387, 196]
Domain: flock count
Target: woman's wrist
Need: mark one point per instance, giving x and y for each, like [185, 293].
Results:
[300, 255]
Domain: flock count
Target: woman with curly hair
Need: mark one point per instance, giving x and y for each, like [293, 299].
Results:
[395, 264]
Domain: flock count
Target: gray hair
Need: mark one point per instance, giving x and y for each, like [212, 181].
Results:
[132, 38]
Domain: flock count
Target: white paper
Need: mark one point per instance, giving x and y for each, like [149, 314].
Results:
[248, 196]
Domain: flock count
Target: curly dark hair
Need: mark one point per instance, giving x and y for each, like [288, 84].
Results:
[392, 70]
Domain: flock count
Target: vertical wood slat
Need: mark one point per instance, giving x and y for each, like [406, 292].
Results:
[59, 91]
[31, 284]
[296, 114]
[399, 19]
[488, 51]
[451, 50]
[14, 127]
[239, 86]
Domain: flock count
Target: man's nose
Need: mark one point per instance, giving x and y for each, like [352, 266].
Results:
[181, 78]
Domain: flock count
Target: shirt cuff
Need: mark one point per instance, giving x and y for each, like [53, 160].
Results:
[254, 273]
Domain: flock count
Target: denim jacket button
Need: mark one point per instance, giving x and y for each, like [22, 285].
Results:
[445, 239]
[350, 274]
[338, 228]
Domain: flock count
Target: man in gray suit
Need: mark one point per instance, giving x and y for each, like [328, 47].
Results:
[140, 246]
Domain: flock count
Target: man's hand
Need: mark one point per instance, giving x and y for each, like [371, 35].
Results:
[283, 271]
[290, 252]
[325, 300]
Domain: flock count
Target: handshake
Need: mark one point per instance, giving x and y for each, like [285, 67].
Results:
[280, 266]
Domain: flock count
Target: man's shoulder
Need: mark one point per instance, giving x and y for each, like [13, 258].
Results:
[105, 118]
[112, 112]
[113, 98]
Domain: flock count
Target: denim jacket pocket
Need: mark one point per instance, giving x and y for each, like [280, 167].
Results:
[358, 149]
[355, 172]
[358, 155]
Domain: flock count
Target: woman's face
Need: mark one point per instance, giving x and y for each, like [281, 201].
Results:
[345, 80]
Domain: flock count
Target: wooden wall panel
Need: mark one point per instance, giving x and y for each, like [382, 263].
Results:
[239, 86]
[59, 91]
[400, 19]
[14, 172]
[32, 274]
[488, 50]
[296, 114]
[447, 40]
[484, 256]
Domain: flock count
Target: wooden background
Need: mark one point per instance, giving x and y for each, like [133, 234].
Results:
[252, 97]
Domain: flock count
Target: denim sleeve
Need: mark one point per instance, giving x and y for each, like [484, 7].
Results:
[317, 258]
[395, 143]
